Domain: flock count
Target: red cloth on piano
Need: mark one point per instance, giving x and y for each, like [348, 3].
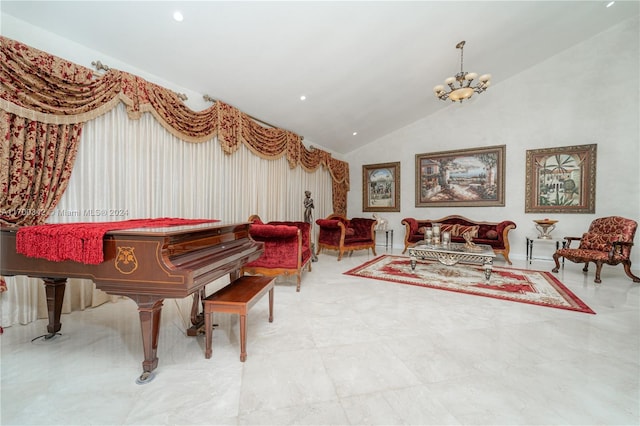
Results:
[82, 242]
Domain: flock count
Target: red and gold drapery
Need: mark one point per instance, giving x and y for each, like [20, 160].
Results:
[37, 87]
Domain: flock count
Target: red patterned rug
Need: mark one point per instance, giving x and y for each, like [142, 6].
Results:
[517, 285]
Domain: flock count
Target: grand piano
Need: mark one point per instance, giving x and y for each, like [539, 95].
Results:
[147, 265]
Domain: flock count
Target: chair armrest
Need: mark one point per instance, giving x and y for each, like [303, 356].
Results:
[329, 223]
[568, 241]
[618, 248]
[254, 218]
[411, 225]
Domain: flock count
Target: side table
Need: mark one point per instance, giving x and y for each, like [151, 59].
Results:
[531, 239]
[387, 233]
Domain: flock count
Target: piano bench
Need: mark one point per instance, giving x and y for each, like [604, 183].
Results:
[237, 298]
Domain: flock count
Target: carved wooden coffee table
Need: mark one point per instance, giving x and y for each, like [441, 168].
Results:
[452, 253]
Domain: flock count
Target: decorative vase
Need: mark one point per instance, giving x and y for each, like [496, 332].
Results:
[544, 228]
[436, 233]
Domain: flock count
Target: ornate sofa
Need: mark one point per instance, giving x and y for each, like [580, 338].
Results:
[342, 234]
[608, 240]
[287, 248]
[495, 234]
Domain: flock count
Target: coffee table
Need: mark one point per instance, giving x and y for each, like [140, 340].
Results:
[452, 253]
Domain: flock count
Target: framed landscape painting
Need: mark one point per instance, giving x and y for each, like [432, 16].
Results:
[381, 187]
[465, 177]
[561, 180]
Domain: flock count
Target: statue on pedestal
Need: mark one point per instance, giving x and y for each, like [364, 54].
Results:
[308, 217]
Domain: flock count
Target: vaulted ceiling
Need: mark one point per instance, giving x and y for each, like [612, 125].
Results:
[365, 67]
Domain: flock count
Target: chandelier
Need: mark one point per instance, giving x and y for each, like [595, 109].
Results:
[460, 86]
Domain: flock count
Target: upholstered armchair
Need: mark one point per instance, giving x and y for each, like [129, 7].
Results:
[608, 241]
[342, 234]
[287, 248]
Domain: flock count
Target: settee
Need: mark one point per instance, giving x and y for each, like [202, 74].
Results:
[494, 234]
[342, 234]
[287, 248]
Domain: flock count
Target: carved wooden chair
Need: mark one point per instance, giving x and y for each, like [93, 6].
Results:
[608, 240]
[342, 234]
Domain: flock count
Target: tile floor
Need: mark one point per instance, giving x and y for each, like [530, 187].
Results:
[343, 351]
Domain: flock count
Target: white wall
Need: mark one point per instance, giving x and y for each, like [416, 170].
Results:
[588, 94]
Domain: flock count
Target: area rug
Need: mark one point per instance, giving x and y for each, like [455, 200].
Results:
[517, 285]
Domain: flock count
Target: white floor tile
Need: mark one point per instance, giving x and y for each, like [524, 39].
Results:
[343, 350]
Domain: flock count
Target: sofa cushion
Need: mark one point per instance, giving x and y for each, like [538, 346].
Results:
[445, 227]
[461, 229]
[492, 235]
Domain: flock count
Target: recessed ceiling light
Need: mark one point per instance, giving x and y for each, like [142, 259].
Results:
[303, 97]
[177, 15]
[355, 133]
[611, 3]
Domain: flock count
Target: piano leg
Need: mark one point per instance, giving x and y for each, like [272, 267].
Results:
[54, 289]
[149, 308]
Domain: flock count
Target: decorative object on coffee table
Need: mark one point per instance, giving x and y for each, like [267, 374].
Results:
[468, 240]
[544, 227]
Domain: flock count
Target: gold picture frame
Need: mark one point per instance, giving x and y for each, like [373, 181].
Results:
[561, 180]
[461, 178]
[381, 187]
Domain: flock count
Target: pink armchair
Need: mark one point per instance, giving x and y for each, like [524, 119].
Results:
[287, 248]
[608, 240]
[342, 234]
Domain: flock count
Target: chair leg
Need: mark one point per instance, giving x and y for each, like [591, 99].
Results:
[586, 267]
[598, 269]
[627, 269]
[556, 256]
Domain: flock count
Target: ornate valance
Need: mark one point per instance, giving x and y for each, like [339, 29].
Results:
[44, 88]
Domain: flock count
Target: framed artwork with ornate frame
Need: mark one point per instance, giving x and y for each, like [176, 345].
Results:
[381, 187]
[561, 180]
[461, 178]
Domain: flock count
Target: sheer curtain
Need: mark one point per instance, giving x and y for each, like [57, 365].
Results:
[129, 169]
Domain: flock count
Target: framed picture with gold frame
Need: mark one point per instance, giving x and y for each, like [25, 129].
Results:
[381, 187]
[561, 180]
[464, 178]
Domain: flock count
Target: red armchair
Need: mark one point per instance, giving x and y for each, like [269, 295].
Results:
[287, 248]
[342, 234]
[608, 240]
